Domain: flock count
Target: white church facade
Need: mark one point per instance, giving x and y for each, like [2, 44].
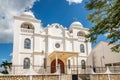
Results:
[49, 47]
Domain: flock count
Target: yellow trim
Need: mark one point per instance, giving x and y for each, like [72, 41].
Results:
[62, 55]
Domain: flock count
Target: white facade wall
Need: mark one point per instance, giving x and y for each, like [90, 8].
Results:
[69, 45]
[102, 55]
[41, 44]
[53, 31]
[38, 60]
[37, 44]
[43, 41]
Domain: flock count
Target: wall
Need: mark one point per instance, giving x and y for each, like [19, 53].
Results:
[106, 77]
[14, 77]
[44, 40]
[102, 54]
[28, 77]
[62, 77]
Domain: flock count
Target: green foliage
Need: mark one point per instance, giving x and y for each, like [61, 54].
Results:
[5, 72]
[106, 18]
[6, 65]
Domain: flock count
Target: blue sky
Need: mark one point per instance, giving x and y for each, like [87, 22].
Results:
[63, 12]
[59, 11]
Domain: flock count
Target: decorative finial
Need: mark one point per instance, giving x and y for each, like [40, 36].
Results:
[27, 9]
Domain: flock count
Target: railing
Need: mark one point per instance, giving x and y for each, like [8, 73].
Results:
[115, 69]
[27, 30]
[66, 69]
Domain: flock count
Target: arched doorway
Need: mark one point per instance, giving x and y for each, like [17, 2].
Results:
[53, 66]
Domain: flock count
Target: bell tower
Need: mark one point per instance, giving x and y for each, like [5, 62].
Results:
[25, 28]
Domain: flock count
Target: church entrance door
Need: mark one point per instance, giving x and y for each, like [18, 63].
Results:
[53, 66]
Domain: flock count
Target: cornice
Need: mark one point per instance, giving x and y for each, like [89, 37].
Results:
[27, 19]
[25, 52]
[83, 56]
[35, 53]
[58, 37]
[86, 29]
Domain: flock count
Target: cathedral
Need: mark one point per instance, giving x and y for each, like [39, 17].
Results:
[50, 48]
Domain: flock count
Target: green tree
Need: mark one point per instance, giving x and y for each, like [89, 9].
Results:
[6, 65]
[105, 17]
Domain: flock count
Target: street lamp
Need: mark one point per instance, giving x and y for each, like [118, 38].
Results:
[77, 67]
[32, 54]
[102, 60]
[57, 45]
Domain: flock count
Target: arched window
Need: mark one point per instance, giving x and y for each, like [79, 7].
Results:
[27, 25]
[83, 64]
[81, 33]
[56, 26]
[27, 43]
[82, 48]
[26, 63]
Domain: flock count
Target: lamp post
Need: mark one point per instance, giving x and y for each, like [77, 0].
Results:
[77, 67]
[57, 45]
[32, 54]
[93, 62]
[102, 60]
[56, 61]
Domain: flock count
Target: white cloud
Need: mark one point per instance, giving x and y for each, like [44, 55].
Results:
[74, 1]
[8, 9]
[3, 59]
[106, 34]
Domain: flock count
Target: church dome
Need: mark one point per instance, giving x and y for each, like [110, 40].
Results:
[28, 14]
[76, 24]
